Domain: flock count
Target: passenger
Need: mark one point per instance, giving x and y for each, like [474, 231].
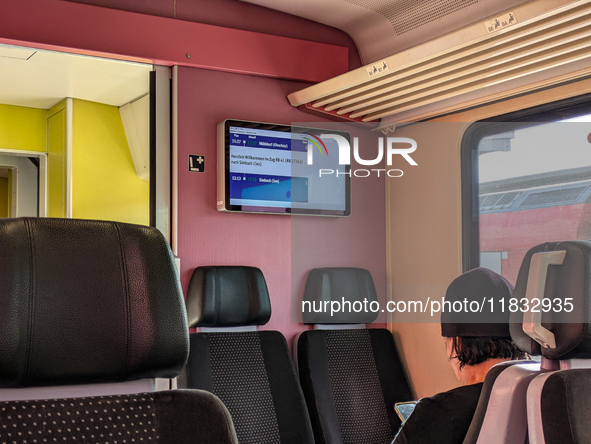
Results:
[472, 349]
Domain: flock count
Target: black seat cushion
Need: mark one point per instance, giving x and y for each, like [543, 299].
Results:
[252, 373]
[566, 407]
[351, 380]
[172, 417]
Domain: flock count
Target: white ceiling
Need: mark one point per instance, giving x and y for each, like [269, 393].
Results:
[381, 28]
[39, 78]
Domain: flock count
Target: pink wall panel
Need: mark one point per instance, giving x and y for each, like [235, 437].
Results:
[356, 241]
[86, 29]
[238, 15]
[207, 237]
[163, 8]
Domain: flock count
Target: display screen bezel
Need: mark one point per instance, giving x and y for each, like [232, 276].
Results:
[280, 210]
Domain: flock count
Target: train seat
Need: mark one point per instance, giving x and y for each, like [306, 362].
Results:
[549, 272]
[251, 371]
[558, 402]
[501, 414]
[559, 407]
[351, 377]
[92, 304]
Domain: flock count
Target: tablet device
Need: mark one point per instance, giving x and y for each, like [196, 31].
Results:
[404, 409]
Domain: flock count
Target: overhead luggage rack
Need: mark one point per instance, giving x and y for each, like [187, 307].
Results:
[539, 44]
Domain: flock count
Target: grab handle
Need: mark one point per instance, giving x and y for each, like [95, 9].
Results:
[536, 285]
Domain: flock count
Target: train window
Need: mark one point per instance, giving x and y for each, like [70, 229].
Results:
[525, 182]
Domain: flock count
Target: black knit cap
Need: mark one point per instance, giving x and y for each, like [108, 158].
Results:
[479, 284]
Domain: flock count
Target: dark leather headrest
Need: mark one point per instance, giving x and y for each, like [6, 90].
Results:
[572, 280]
[339, 284]
[87, 302]
[227, 297]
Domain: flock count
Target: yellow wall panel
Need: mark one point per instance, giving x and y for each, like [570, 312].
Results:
[23, 128]
[56, 161]
[3, 197]
[104, 182]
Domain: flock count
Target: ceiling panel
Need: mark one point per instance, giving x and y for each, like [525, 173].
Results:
[44, 78]
[381, 28]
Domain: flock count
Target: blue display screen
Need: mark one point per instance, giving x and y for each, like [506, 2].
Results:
[271, 171]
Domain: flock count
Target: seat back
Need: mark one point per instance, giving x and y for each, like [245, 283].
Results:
[166, 417]
[492, 423]
[551, 275]
[92, 303]
[558, 401]
[501, 414]
[250, 371]
[82, 301]
[559, 407]
[351, 378]
[344, 286]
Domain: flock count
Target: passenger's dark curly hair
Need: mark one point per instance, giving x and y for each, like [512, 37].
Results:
[472, 351]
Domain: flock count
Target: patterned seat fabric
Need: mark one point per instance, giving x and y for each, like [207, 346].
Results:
[160, 417]
[81, 419]
[250, 371]
[351, 380]
[93, 302]
[565, 407]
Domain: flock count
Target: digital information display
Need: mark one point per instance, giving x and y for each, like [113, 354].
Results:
[266, 170]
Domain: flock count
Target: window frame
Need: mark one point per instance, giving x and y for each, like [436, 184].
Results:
[549, 112]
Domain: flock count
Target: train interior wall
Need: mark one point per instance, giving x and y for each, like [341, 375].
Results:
[103, 167]
[416, 225]
[207, 237]
[238, 15]
[23, 128]
[425, 228]
[56, 160]
[104, 182]
[284, 248]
